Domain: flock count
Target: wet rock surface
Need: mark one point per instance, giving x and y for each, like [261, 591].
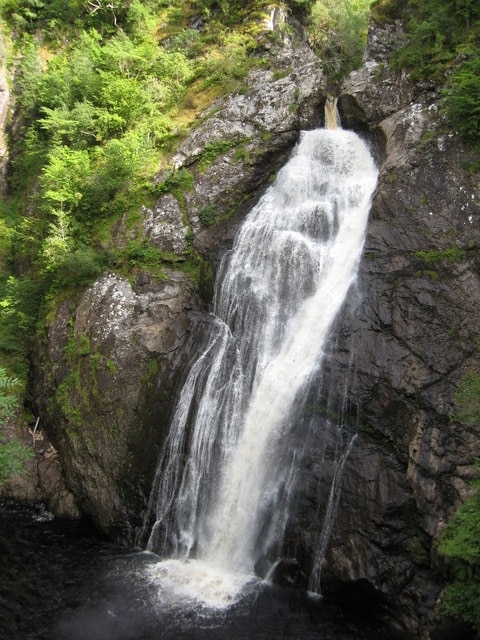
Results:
[413, 330]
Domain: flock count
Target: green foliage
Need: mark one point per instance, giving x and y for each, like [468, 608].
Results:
[8, 400]
[462, 98]
[434, 256]
[460, 546]
[79, 268]
[466, 399]
[212, 151]
[6, 236]
[63, 178]
[13, 455]
[141, 255]
[232, 10]
[460, 542]
[54, 15]
[303, 7]
[29, 76]
[103, 92]
[20, 299]
[442, 40]
[177, 183]
[387, 10]
[207, 215]
[228, 63]
[337, 30]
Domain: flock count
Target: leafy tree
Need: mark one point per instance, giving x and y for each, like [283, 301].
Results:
[20, 299]
[462, 98]
[302, 7]
[28, 77]
[6, 235]
[460, 545]
[337, 30]
[59, 242]
[436, 33]
[63, 178]
[460, 542]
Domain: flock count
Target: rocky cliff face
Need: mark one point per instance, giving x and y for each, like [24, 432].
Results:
[414, 333]
[111, 361]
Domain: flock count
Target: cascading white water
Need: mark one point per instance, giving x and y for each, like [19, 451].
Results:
[224, 483]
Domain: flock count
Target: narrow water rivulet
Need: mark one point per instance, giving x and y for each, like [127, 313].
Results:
[223, 488]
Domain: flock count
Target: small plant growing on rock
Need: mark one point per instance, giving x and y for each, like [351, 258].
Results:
[8, 401]
[207, 215]
[13, 453]
[460, 545]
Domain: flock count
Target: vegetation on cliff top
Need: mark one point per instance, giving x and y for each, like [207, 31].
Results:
[460, 542]
[337, 31]
[441, 42]
[460, 545]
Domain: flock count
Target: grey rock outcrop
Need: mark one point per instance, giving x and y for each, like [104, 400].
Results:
[241, 143]
[106, 386]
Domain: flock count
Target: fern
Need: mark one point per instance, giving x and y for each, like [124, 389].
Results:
[8, 401]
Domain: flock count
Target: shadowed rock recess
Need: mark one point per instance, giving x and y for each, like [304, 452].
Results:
[394, 363]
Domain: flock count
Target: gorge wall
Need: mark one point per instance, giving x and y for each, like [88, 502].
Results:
[414, 334]
[109, 363]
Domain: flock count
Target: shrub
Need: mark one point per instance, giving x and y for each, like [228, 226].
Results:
[211, 152]
[337, 30]
[8, 400]
[13, 455]
[466, 398]
[460, 545]
[434, 256]
[462, 99]
[177, 183]
[207, 215]
[80, 268]
[441, 38]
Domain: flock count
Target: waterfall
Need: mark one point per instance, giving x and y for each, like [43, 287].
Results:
[224, 483]
[331, 113]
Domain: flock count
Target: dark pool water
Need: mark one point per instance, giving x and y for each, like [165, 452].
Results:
[61, 580]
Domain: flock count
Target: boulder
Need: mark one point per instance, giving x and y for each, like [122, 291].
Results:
[110, 364]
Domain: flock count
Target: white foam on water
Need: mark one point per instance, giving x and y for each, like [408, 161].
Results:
[194, 581]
